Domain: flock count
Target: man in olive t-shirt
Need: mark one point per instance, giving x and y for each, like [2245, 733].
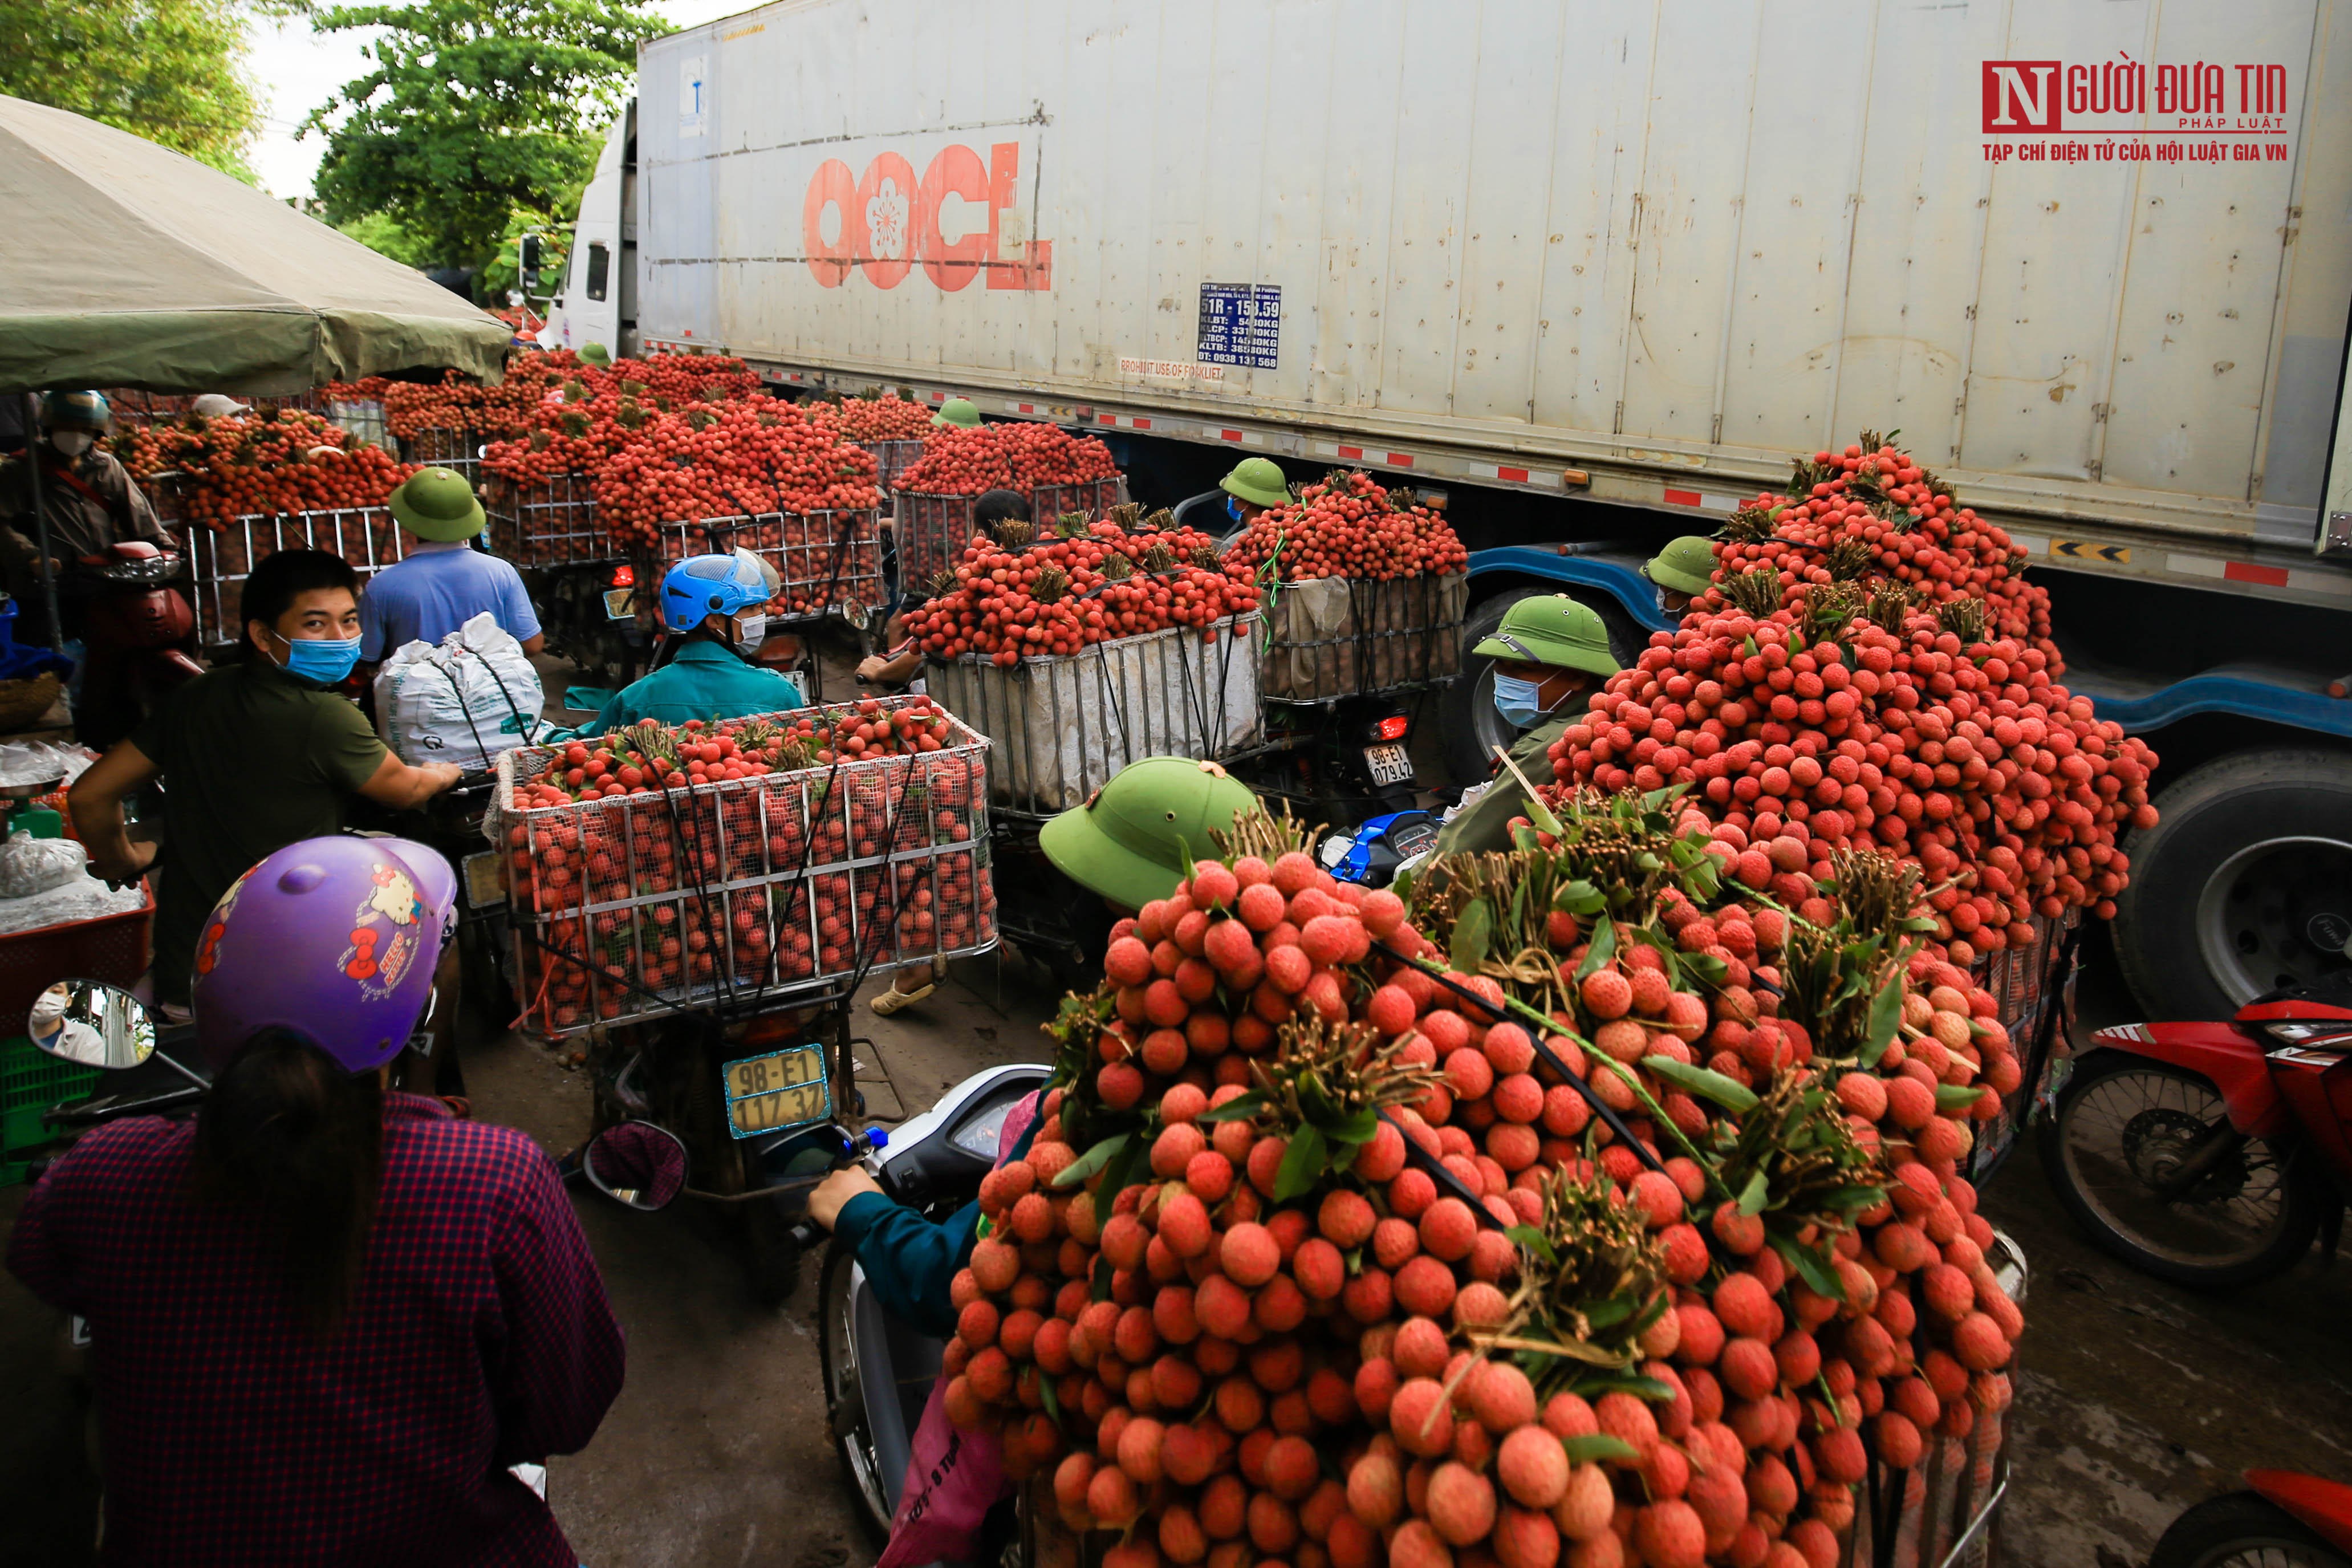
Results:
[253, 757]
[253, 760]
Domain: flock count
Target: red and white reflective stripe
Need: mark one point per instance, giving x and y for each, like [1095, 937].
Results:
[1021, 408]
[2258, 575]
[1375, 456]
[1123, 422]
[1507, 475]
[1699, 498]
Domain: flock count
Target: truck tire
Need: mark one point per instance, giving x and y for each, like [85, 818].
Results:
[2244, 884]
[1467, 725]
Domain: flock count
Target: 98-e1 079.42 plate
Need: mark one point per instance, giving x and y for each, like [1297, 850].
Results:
[1387, 763]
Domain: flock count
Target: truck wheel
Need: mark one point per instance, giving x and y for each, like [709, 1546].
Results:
[2244, 886]
[1467, 725]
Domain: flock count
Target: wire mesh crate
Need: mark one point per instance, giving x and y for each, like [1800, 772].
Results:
[830, 562]
[636, 905]
[892, 458]
[460, 450]
[553, 524]
[1062, 727]
[929, 532]
[219, 560]
[1330, 637]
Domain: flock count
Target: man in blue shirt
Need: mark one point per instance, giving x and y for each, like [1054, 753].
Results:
[444, 581]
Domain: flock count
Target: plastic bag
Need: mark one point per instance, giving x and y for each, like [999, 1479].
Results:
[30, 865]
[38, 762]
[462, 701]
[83, 898]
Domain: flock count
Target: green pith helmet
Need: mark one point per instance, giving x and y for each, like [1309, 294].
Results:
[1139, 835]
[1554, 629]
[596, 354]
[1258, 481]
[437, 504]
[960, 412]
[1684, 565]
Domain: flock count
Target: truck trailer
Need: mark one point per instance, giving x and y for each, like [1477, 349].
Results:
[1598, 272]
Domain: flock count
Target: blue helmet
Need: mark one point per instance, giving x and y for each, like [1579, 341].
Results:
[703, 585]
[75, 411]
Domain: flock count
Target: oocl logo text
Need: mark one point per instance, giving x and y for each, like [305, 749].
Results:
[886, 223]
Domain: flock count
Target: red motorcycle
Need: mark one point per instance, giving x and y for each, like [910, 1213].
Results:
[2284, 1520]
[139, 638]
[2210, 1154]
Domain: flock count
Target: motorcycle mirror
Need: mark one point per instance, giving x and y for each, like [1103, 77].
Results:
[637, 1163]
[91, 1024]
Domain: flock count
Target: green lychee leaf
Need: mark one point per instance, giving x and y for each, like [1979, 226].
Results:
[1595, 1445]
[1950, 1096]
[1886, 1017]
[1811, 1267]
[1602, 949]
[1473, 929]
[1751, 1196]
[1534, 1241]
[1705, 1082]
[1239, 1108]
[1302, 1166]
[1093, 1160]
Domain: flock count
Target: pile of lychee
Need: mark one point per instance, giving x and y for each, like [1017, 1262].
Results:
[1211, 1352]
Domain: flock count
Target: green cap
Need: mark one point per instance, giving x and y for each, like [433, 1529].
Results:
[1685, 564]
[596, 354]
[1550, 628]
[1139, 836]
[437, 504]
[1257, 480]
[960, 412]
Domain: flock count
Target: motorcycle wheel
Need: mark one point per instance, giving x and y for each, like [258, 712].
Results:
[2242, 1530]
[2123, 1123]
[845, 1395]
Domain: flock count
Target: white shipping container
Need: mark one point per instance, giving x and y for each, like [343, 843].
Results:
[1648, 244]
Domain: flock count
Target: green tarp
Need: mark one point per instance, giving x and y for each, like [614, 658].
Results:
[126, 264]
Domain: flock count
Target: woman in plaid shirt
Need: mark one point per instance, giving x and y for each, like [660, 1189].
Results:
[325, 1317]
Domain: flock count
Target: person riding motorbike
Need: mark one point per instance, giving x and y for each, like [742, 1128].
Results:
[443, 582]
[713, 608]
[1130, 844]
[1682, 571]
[325, 1317]
[1255, 484]
[1548, 650]
[91, 500]
[897, 668]
[257, 754]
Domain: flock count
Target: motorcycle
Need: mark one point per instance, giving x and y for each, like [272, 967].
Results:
[139, 636]
[2212, 1154]
[1376, 852]
[1343, 761]
[877, 1368]
[2282, 1521]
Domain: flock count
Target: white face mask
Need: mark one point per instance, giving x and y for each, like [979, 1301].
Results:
[72, 443]
[750, 631]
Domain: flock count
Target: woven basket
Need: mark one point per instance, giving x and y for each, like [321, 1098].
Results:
[22, 702]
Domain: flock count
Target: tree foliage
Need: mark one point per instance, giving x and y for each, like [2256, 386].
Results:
[170, 71]
[474, 108]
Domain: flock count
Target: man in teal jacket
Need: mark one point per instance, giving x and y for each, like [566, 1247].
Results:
[713, 608]
[1127, 844]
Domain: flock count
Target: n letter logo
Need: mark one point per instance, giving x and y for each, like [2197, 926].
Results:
[2019, 96]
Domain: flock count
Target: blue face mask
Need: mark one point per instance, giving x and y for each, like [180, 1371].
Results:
[1233, 508]
[327, 660]
[1516, 700]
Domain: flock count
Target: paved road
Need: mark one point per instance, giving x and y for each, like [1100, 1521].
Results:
[2136, 1399]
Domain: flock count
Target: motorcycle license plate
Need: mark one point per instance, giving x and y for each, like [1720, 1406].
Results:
[620, 603]
[770, 1093]
[484, 887]
[1388, 763]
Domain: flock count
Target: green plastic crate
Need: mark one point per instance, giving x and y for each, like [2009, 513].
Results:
[32, 1082]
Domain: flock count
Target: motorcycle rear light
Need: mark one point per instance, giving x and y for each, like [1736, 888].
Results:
[624, 576]
[1393, 727]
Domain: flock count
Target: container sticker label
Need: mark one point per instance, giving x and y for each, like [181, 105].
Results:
[1241, 323]
[689, 96]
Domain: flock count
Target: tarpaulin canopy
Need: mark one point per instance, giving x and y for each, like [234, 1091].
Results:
[126, 264]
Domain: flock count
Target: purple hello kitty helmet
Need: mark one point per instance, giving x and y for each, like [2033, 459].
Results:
[334, 940]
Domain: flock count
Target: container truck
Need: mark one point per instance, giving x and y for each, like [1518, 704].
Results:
[1598, 271]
